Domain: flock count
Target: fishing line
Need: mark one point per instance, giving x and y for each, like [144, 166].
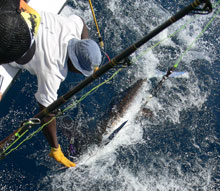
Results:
[142, 53]
[200, 34]
[170, 70]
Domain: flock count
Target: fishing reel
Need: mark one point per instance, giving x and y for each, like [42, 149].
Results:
[206, 8]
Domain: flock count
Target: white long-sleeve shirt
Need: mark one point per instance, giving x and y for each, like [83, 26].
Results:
[49, 61]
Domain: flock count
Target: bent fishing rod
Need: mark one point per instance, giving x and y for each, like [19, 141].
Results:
[194, 8]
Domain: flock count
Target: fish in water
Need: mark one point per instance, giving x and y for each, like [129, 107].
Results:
[121, 106]
[82, 139]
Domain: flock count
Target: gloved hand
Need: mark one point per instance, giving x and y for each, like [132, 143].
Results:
[58, 155]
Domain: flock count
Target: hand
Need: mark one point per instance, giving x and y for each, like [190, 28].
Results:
[58, 155]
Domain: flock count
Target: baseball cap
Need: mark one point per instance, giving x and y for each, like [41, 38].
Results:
[18, 26]
[85, 55]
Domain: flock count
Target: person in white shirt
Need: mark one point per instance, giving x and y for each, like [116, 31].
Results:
[61, 45]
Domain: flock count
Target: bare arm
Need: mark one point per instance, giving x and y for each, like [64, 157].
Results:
[85, 32]
[50, 129]
[51, 136]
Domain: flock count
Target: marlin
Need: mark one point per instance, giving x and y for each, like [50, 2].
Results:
[110, 124]
[115, 118]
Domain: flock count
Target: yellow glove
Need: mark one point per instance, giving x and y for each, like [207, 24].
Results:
[58, 155]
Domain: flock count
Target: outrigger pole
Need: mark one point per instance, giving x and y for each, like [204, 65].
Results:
[16, 135]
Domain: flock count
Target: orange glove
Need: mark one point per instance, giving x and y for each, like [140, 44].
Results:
[58, 155]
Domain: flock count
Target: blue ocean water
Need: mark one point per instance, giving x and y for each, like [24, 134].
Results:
[177, 149]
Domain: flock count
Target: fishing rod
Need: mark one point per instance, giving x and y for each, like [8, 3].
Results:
[118, 60]
[101, 43]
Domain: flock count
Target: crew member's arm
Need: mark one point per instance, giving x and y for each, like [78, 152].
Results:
[50, 133]
[49, 130]
[48, 86]
[85, 32]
